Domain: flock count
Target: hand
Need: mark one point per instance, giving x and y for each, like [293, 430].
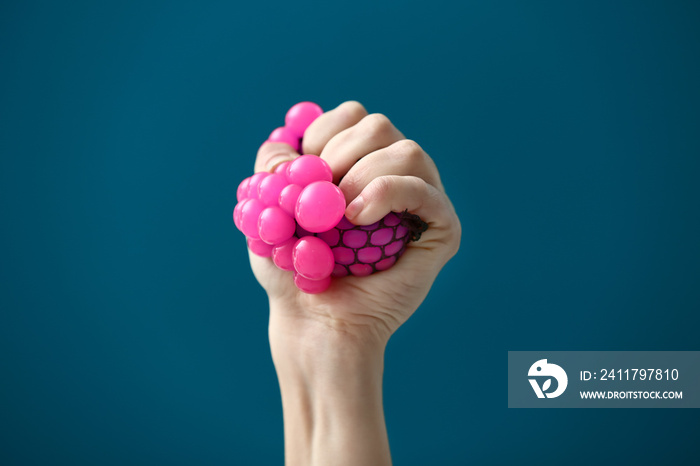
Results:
[379, 171]
[328, 348]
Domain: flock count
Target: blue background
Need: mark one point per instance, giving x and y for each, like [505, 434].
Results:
[131, 329]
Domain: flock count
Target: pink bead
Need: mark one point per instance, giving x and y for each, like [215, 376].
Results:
[382, 237]
[237, 213]
[391, 219]
[345, 224]
[339, 271]
[320, 206]
[385, 263]
[288, 198]
[285, 135]
[355, 238]
[312, 258]
[282, 254]
[259, 248]
[275, 226]
[361, 270]
[307, 169]
[254, 184]
[300, 117]
[281, 169]
[242, 191]
[369, 255]
[343, 255]
[393, 248]
[270, 188]
[250, 212]
[331, 237]
[311, 286]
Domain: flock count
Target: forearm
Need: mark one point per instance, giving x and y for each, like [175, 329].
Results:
[331, 387]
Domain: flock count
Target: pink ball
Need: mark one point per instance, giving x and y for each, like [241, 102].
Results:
[331, 237]
[270, 188]
[237, 213]
[275, 226]
[361, 270]
[281, 169]
[307, 169]
[394, 247]
[345, 224]
[320, 206]
[311, 286]
[312, 258]
[242, 191]
[385, 263]
[285, 135]
[282, 254]
[259, 248]
[339, 271]
[300, 117]
[250, 212]
[288, 198]
[254, 184]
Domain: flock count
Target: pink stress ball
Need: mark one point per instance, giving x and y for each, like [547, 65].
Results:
[295, 216]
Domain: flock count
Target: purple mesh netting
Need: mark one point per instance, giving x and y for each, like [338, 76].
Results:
[363, 250]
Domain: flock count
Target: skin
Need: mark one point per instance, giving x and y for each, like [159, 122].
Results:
[328, 348]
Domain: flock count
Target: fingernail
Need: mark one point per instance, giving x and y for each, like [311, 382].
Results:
[355, 207]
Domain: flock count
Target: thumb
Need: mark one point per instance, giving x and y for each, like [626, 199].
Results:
[272, 154]
[392, 193]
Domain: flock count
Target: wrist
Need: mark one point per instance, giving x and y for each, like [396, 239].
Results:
[331, 385]
[321, 351]
[302, 330]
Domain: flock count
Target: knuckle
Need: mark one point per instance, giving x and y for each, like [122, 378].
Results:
[382, 186]
[417, 184]
[352, 181]
[376, 123]
[353, 110]
[408, 145]
[409, 151]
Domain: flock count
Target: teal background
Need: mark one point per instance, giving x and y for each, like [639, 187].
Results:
[131, 329]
